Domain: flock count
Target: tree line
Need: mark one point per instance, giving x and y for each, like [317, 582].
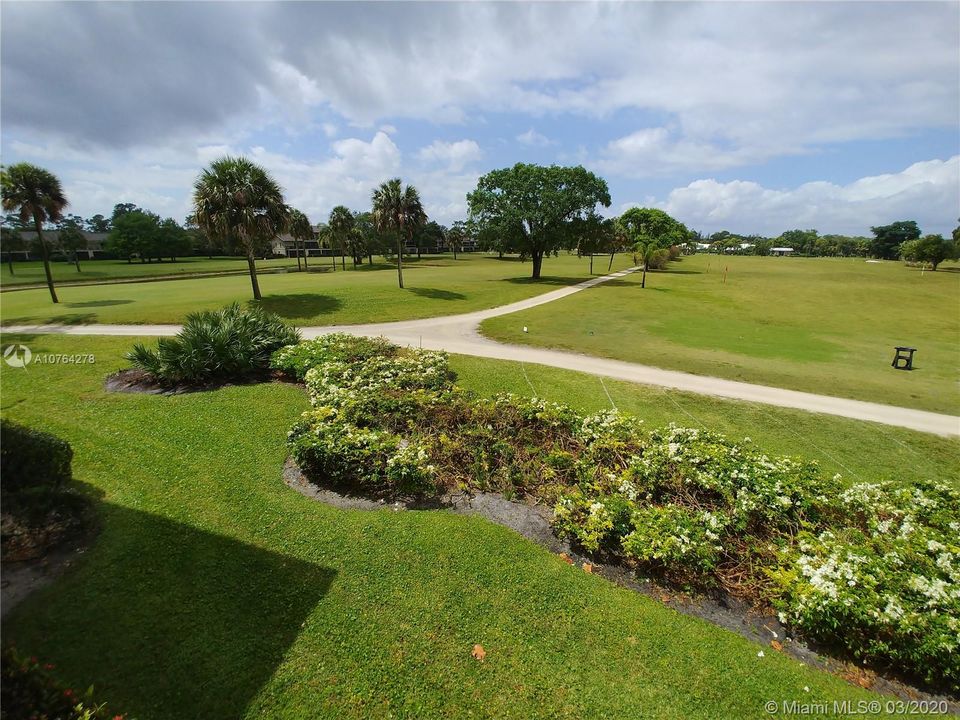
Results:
[532, 210]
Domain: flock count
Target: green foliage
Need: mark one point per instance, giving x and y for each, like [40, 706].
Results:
[803, 241]
[215, 346]
[32, 459]
[398, 210]
[135, 234]
[295, 360]
[887, 239]
[531, 208]
[687, 504]
[29, 690]
[929, 250]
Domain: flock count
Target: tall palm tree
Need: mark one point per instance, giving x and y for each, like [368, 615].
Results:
[300, 230]
[35, 195]
[341, 226]
[398, 209]
[236, 198]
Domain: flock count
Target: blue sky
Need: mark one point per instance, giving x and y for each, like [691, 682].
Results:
[752, 117]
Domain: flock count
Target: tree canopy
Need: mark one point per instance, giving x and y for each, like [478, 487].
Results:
[531, 208]
[887, 239]
[398, 209]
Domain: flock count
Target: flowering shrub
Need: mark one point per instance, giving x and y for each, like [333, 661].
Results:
[295, 360]
[887, 585]
[872, 568]
[29, 690]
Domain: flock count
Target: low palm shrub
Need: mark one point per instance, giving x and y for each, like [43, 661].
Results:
[233, 343]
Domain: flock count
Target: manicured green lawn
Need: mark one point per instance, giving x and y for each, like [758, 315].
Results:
[434, 286]
[27, 273]
[823, 325]
[214, 591]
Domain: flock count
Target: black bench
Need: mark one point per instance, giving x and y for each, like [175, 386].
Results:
[903, 360]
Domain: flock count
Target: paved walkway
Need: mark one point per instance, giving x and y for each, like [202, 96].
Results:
[459, 334]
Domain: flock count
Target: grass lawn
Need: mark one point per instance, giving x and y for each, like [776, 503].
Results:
[213, 591]
[823, 325]
[434, 286]
[30, 273]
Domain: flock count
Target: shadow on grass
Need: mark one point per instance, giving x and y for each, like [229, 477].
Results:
[98, 303]
[73, 319]
[435, 294]
[170, 621]
[300, 305]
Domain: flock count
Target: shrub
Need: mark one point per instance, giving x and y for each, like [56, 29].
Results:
[229, 344]
[31, 459]
[873, 569]
[29, 690]
[295, 360]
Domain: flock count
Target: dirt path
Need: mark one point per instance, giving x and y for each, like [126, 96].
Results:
[460, 334]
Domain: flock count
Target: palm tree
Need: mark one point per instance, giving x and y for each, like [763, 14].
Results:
[35, 194]
[236, 198]
[341, 226]
[300, 230]
[398, 209]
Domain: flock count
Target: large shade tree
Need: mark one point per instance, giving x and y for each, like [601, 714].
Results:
[651, 232]
[237, 199]
[36, 196]
[397, 209]
[300, 230]
[887, 239]
[535, 206]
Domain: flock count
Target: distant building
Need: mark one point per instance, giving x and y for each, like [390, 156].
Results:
[781, 251]
[95, 245]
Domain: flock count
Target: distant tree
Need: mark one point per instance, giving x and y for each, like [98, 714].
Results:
[803, 241]
[595, 236]
[135, 234]
[430, 235]
[11, 241]
[121, 209]
[956, 234]
[533, 206]
[300, 229]
[341, 224]
[98, 224]
[398, 210]
[236, 198]
[458, 234]
[368, 236]
[72, 241]
[887, 239]
[173, 240]
[930, 249]
[35, 194]
[651, 232]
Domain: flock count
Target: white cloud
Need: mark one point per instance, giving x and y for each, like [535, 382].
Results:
[455, 155]
[533, 138]
[926, 191]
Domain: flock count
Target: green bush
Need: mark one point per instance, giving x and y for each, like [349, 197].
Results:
[872, 569]
[29, 690]
[295, 360]
[32, 459]
[234, 343]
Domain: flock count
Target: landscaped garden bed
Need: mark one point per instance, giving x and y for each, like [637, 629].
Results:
[869, 571]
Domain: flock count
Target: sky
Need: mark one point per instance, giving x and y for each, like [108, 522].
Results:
[753, 117]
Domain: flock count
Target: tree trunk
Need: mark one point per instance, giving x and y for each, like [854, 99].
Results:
[643, 280]
[76, 259]
[418, 252]
[500, 254]
[591, 263]
[343, 260]
[370, 258]
[454, 252]
[334, 258]
[305, 252]
[296, 249]
[46, 259]
[610, 264]
[537, 257]
[252, 265]
[10, 262]
[400, 259]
